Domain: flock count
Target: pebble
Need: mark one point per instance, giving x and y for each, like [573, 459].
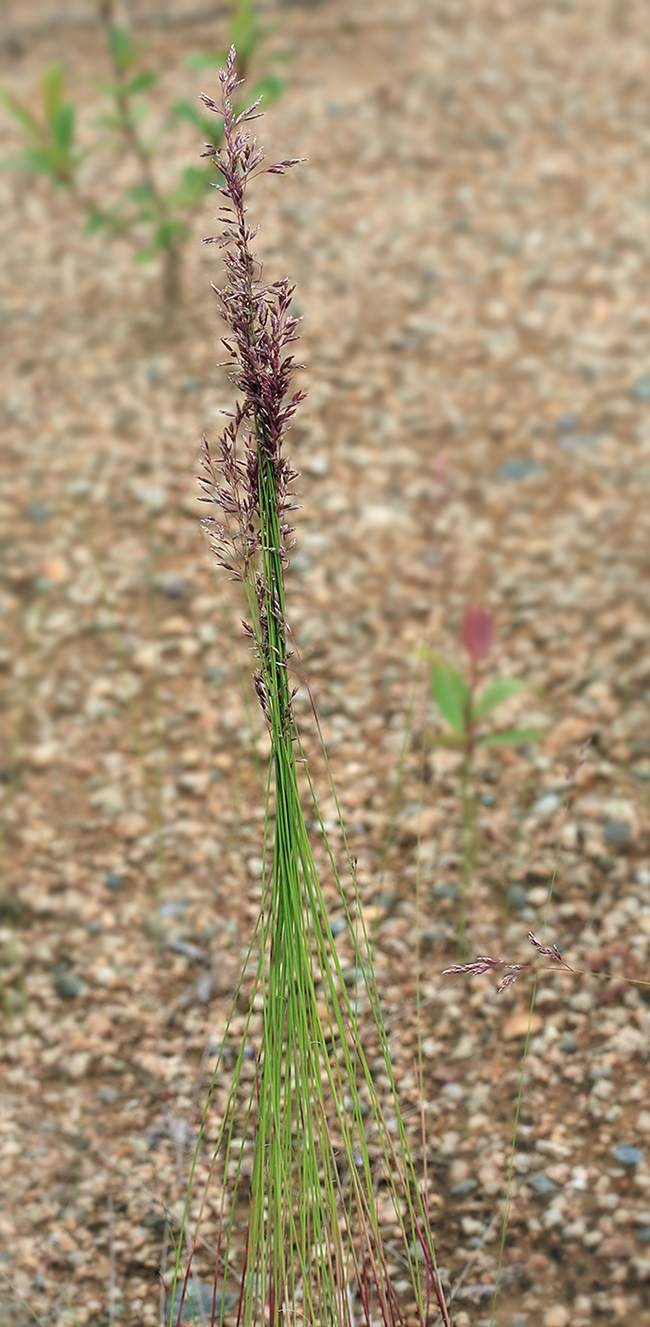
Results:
[518, 467]
[113, 881]
[618, 832]
[109, 800]
[641, 389]
[152, 496]
[628, 1156]
[463, 1188]
[541, 1184]
[38, 513]
[108, 1095]
[67, 985]
[446, 892]
[517, 1026]
[198, 1301]
[318, 466]
[546, 805]
[78, 488]
[644, 1234]
[557, 1316]
[616, 1247]
[642, 877]
[567, 423]
[173, 907]
[568, 1044]
[516, 897]
[465, 1049]
[171, 585]
[77, 1066]
[455, 1091]
[213, 673]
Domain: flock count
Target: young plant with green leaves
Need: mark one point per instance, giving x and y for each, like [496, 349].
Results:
[457, 699]
[302, 1146]
[154, 218]
[465, 708]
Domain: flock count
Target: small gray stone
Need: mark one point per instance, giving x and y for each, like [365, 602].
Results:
[568, 1044]
[516, 897]
[67, 985]
[567, 423]
[108, 1095]
[171, 585]
[546, 805]
[455, 1091]
[79, 488]
[172, 907]
[641, 389]
[197, 1303]
[628, 1155]
[113, 881]
[574, 442]
[644, 1235]
[541, 1184]
[518, 467]
[463, 1187]
[153, 496]
[448, 891]
[642, 877]
[213, 673]
[38, 513]
[618, 833]
[318, 466]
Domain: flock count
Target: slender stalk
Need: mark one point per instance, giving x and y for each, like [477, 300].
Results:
[469, 839]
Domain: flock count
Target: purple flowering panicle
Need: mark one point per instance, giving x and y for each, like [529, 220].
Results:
[485, 964]
[249, 480]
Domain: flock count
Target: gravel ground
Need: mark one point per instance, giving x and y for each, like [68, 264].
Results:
[470, 243]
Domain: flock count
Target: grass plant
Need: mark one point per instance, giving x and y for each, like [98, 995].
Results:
[303, 1138]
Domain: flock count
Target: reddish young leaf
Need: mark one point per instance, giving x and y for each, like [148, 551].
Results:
[478, 633]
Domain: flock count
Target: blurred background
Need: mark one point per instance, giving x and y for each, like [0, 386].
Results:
[470, 242]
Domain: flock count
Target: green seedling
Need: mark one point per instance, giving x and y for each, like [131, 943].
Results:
[155, 219]
[464, 710]
[458, 702]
